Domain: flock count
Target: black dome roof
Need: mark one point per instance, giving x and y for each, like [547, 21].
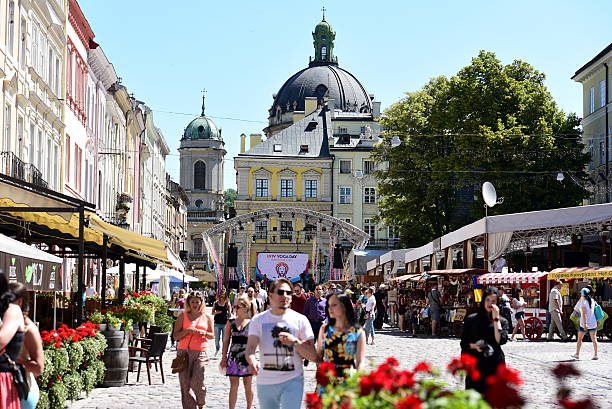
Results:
[322, 80]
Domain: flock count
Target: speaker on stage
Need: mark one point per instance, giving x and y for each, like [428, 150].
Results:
[232, 255]
[233, 284]
[338, 257]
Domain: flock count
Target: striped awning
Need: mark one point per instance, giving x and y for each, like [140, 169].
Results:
[405, 277]
[510, 278]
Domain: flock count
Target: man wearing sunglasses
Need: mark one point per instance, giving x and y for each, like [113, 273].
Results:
[284, 338]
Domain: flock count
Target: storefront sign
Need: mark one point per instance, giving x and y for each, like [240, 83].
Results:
[37, 275]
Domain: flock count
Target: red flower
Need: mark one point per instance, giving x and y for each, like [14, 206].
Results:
[465, 363]
[58, 344]
[507, 375]
[562, 371]
[368, 384]
[324, 372]
[409, 402]
[567, 403]
[501, 388]
[392, 362]
[313, 401]
[422, 367]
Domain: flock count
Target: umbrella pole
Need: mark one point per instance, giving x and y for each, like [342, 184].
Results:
[54, 310]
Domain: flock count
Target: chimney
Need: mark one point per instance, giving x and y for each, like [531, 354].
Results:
[255, 139]
[310, 105]
[242, 143]
[376, 109]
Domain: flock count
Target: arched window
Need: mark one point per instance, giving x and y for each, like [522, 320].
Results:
[199, 176]
[324, 52]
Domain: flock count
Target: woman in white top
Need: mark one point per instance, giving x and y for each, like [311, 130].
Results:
[518, 304]
[586, 308]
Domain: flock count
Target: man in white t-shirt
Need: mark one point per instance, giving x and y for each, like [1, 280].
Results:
[284, 338]
[555, 304]
[260, 293]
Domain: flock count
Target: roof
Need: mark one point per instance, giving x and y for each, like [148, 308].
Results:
[312, 132]
[509, 223]
[593, 60]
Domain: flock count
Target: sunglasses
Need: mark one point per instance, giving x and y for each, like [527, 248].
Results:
[241, 306]
[283, 292]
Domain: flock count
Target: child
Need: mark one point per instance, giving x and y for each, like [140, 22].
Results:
[414, 319]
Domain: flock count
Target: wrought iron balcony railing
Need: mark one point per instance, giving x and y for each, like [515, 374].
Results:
[11, 165]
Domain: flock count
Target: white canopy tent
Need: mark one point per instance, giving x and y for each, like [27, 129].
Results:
[516, 231]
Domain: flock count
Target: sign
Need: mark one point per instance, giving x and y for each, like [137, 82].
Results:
[282, 265]
[35, 274]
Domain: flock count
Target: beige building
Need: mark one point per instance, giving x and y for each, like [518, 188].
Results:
[596, 127]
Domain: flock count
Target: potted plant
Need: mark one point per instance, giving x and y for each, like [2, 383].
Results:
[97, 318]
[114, 323]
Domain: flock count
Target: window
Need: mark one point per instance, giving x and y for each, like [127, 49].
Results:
[10, 37]
[369, 195]
[50, 76]
[39, 152]
[368, 167]
[344, 195]
[78, 161]
[347, 220]
[278, 147]
[67, 159]
[42, 47]
[286, 230]
[7, 128]
[342, 130]
[55, 166]
[363, 130]
[311, 231]
[261, 188]
[286, 188]
[199, 175]
[20, 137]
[591, 100]
[311, 189]
[34, 51]
[369, 227]
[394, 233]
[602, 93]
[345, 166]
[69, 71]
[261, 230]
[32, 144]
[23, 33]
[198, 247]
[49, 155]
[57, 72]
[602, 152]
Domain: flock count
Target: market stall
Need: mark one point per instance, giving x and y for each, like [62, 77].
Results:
[535, 291]
[600, 278]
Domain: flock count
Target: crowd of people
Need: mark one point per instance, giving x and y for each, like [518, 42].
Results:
[273, 332]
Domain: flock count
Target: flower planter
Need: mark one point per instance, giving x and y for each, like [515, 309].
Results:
[102, 327]
[116, 358]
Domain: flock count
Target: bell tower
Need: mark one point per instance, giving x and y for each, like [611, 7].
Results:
[324, 36]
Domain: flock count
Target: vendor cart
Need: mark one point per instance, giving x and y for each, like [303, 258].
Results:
[578, 276]
[535, 289]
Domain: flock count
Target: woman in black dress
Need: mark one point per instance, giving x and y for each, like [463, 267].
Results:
[483, 335]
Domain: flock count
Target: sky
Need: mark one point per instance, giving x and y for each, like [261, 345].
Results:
[242, 52]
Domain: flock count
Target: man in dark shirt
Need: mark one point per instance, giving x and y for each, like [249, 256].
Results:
[298, 299]
[314, 310]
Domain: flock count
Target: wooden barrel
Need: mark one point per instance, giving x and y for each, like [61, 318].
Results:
[116, 358]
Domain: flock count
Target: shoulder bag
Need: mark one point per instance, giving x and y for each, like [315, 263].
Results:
[599, 314]
[19, 378]
[180, 363]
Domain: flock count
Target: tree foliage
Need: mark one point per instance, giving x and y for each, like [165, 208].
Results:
[490, 122]
[229, 196]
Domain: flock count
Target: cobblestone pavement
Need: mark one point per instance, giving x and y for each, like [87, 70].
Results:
[533, 359]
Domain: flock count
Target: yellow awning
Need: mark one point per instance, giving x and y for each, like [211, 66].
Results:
[138, 245]
[580, 272]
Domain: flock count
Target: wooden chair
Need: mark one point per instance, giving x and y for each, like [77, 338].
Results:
[151, 355]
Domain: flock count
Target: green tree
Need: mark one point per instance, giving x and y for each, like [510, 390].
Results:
[490, 122]
[229, 196]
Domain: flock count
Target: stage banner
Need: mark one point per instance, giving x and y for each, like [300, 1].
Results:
[282, 265]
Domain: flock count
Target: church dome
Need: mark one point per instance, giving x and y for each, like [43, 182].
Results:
[202, 128]
[322, 79]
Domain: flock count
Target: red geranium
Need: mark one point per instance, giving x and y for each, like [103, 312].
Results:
[409, 402]
[422, 367]
[562, 371]
[501, 388]
[567, 403]
[313, 401]
[465, 363]
[324, 372]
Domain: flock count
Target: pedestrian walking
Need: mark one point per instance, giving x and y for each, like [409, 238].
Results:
[518, 303]
[261, 294]
[315, 309]
[298, 299]
[555, 308]
[31, 356]
[284, 338]
[435, 308]
[11, 340]
[234, 351]
[381, 306]
[370, 314]
[504, 305]
[484, 332]
[588, 321]
[193, 329]
[341, 339]
[257, 303]
[220, 312]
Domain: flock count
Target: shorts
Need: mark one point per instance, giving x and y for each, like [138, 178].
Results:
[401, 310]
[519, 315]
[435, 314]
[587, 330]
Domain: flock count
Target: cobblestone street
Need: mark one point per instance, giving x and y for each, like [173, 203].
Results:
[533, 359]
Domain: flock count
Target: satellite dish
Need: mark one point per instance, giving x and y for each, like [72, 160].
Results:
[182, 209]
[489, 194]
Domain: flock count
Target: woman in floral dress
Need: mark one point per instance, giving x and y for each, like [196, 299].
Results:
[234, 358]
[341, 340]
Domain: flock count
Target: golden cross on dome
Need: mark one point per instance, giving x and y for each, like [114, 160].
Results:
[323, 10]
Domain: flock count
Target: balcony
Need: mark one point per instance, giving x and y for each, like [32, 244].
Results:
[383, 244]
[14, 167]
[204, 215]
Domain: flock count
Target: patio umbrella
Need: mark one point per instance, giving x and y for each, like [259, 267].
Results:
[164, 287]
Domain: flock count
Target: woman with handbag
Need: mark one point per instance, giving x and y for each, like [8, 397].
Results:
[11, 339]
[31, 356]
[588, 322]
[192, 330]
